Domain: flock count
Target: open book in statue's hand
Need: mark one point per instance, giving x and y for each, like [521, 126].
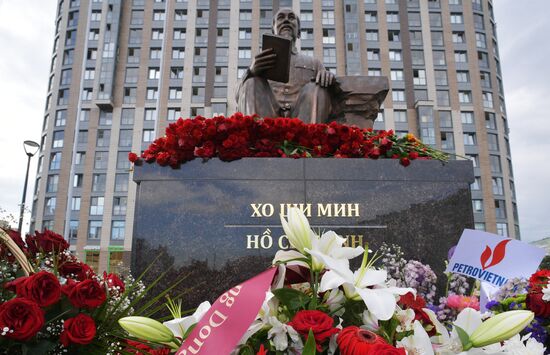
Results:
[281, 47]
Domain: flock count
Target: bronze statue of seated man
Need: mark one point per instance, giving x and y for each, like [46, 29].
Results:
[305, 95]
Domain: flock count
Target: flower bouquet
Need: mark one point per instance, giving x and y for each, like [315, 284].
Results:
[318, 305]
[241, 136]
[52, 303]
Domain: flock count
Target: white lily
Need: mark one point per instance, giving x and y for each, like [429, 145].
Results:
[366, 283]
[418, 343]
[370, 322]
[180, 326]
[297, 229]
[280, 333]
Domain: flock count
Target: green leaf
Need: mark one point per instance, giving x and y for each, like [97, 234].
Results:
[310, 348]
[291, 298]
[464, 338]
[189, 330]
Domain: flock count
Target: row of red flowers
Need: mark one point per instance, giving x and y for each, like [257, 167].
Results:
[240, 136]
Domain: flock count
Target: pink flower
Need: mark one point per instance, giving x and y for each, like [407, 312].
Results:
[460, 302]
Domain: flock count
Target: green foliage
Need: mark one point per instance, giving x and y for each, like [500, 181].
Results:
[294, 300]
[310, 348]
[464, 338]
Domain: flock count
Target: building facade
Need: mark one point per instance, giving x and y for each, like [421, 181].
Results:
[122, 70]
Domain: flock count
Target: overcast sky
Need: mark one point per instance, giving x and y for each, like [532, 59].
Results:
[26, 40]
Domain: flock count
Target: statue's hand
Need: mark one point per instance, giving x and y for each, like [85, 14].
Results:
[263, 61]
[325, 78]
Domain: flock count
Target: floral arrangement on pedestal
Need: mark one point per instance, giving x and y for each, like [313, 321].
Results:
[318, 305]
[240, 136]
[52, 303]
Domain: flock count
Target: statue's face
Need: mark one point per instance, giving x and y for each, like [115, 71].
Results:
[286, 24]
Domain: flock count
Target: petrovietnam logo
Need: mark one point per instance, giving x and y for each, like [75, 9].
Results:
[495, 255]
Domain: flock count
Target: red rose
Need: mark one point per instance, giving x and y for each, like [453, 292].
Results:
[134, 347]
[417, 304]
[535, 303]
[42, 287]
[47, 242]
[356, 341]
[76, 269]
[85, 294]
[78, 330]
[23, 317]
[321, 324]
[16, 284]
[114, 283]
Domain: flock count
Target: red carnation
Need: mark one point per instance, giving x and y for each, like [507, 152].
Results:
[23, 318]
[356, 341]
[132, 157]
[539, 280]
[78, 330]
[321, 324]
[85, 294]
[42, 287]
[535, 303]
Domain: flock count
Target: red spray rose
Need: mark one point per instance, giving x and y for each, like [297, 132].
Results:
[78, 330]
[47, 242]
[85, 294]
[42, 287]
[22, 316]
[356, 341]
[535, 303]
[321, 324]
[417, 304]
[113, 282]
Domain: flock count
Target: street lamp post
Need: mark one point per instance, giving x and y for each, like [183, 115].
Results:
[31, 148]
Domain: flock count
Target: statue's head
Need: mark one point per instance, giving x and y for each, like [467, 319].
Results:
[286, 23]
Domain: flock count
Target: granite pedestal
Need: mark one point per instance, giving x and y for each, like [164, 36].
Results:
[218, 222]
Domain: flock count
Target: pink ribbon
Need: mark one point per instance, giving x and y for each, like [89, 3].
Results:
[221, 328]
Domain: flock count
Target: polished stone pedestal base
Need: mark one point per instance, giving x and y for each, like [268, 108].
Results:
[218, 222]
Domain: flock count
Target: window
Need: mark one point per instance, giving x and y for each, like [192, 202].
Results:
[476, 185]
[178, 53]
[373, 54]
[327, 17]
[477, 205]
[148, 135]
[246, 15]
[179, 33]
[176, 72]
[180, 15]
[49, 205]
[414, 19]
[155, 53]
[96, 205]
[152, 94]
[159, 15]
[487, 99]
[465, 97]
[417, 57]
[459, 37]
[53, 181]
[75, 203]
[105, 118]
[445, 119]
[79, 158]
[498, 186]
[469, 139]
[93, 35]
[73, 229]
[78, 179]
[117, 230]
[400, 116]
[101, 160]
[396, 75]
[89, 74]
[461, 57]
[481, 41]
[175, 93]
[94, 232]
[392, 16]
[121, 182]
[456, 18]
[137, 17]
[60, 118]
[150, 114]
[125, 138]
[395, 55]
[374, 72]
[329, 55]
[500, 208]
[57, 141]
[133, 55]
[496, 167]
[492, 141]
[419, 77]
[157, 34]
[393, 36]
[441, 77]
[437, 38]
[154, 73]
[245, 53]
[435, 19]
[329, 36]
[130, 95]
[463, 76]
[63, 96]
[127, 116]
[96, 15]
[439, 57]
[467, 117]
[98, 182]
[502, 229]
[103, 137]
[447, 141]
[490, 120]
[398, 95]
[480, 226]
[474, 158]
[416, 38]
[443, 98]
[485, 79]
[370, 16]
[174, 114]
[66, 76]
[372, 35]
[119, 205]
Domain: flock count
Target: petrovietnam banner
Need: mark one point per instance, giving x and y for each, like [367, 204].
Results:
[492, 258]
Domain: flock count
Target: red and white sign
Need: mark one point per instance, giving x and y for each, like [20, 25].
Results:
[494, 259]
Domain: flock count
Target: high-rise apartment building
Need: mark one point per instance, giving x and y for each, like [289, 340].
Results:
[122, 70]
